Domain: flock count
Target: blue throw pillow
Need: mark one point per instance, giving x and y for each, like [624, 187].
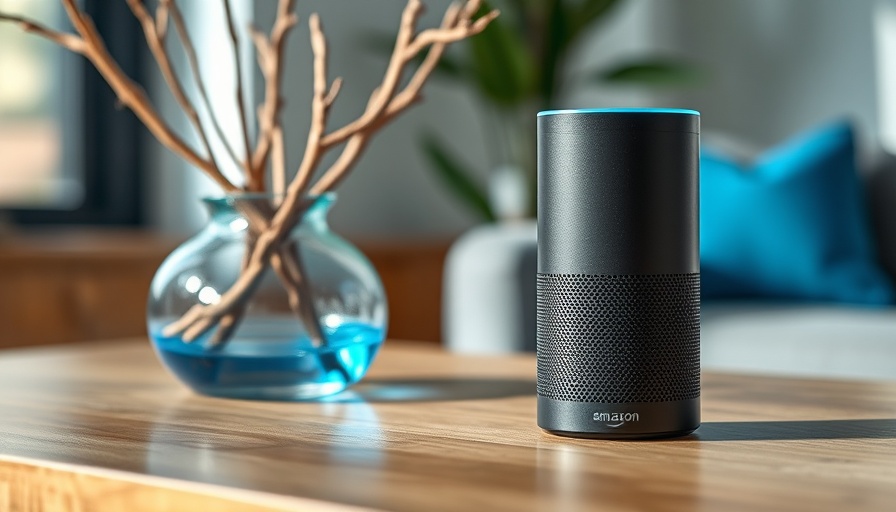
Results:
[793, 225]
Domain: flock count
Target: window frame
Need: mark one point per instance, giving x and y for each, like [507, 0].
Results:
[112, 153]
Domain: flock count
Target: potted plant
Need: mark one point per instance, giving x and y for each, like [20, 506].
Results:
[517, 67]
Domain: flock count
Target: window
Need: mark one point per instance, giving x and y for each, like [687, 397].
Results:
[68, 153]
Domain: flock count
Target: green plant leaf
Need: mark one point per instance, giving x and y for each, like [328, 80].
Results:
[518, 13]
[590, 11]
[456, 177]
[651, 72]
[500, 63]
[564, 22]
[557, 39]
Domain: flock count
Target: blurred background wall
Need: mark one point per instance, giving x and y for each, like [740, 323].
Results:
[768, 68]
[772, 67]
[392, 194]
[779, 66]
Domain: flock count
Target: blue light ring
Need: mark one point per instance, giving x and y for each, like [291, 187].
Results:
[678, 111]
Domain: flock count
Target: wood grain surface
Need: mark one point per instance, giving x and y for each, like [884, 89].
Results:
[102, 427]
[68, 285]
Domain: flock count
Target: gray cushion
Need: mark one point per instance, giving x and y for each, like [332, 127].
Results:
[795, 339]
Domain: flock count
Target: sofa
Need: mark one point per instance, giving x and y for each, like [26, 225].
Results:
[489, 305]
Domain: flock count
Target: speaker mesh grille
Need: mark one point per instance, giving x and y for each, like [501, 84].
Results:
[619, 339]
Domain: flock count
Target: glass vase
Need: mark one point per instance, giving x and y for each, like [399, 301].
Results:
[279, 349]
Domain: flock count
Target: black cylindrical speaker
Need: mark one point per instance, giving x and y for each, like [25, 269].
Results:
[618, 320]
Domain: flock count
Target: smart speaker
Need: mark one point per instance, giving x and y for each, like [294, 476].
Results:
[618, 315]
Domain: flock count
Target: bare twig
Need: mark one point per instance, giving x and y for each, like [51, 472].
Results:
[319, 108]
[445, 35]
[200, 318]
[251, 180]
[132, 95]
[89, 44]
[270, 224]
[270, 60]
[454, 16]
[162, 19]
[190, 327]
[335, 87]
[190, 51]
[383, 106]
[380, 97]
[278, 166]
[68, 41]
[156, 45]
[259, 213]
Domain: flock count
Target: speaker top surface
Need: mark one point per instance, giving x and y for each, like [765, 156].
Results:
[592, 120]
[682, 111]
[618, 191]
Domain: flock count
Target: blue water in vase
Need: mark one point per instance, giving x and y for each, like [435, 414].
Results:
[258, 366]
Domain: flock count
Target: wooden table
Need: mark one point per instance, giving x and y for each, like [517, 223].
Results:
[102, 427]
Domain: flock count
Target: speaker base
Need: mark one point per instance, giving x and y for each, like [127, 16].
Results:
[621, 437]
[642, 420]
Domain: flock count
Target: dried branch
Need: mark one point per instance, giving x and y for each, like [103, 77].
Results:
[162, 19]
[380, 97]
[278, 166]
[269, 223]
[68, 41]
[195, 324]
[446, 36]
[156, 45]
[270, 57]
[251, 179]
[200, 318]
[383, 106]
[190, 51]
[132, 95]
[455, 16]
[320, 109]
[89, 44]
[455, 26]
[335, 87]
[284, 263]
